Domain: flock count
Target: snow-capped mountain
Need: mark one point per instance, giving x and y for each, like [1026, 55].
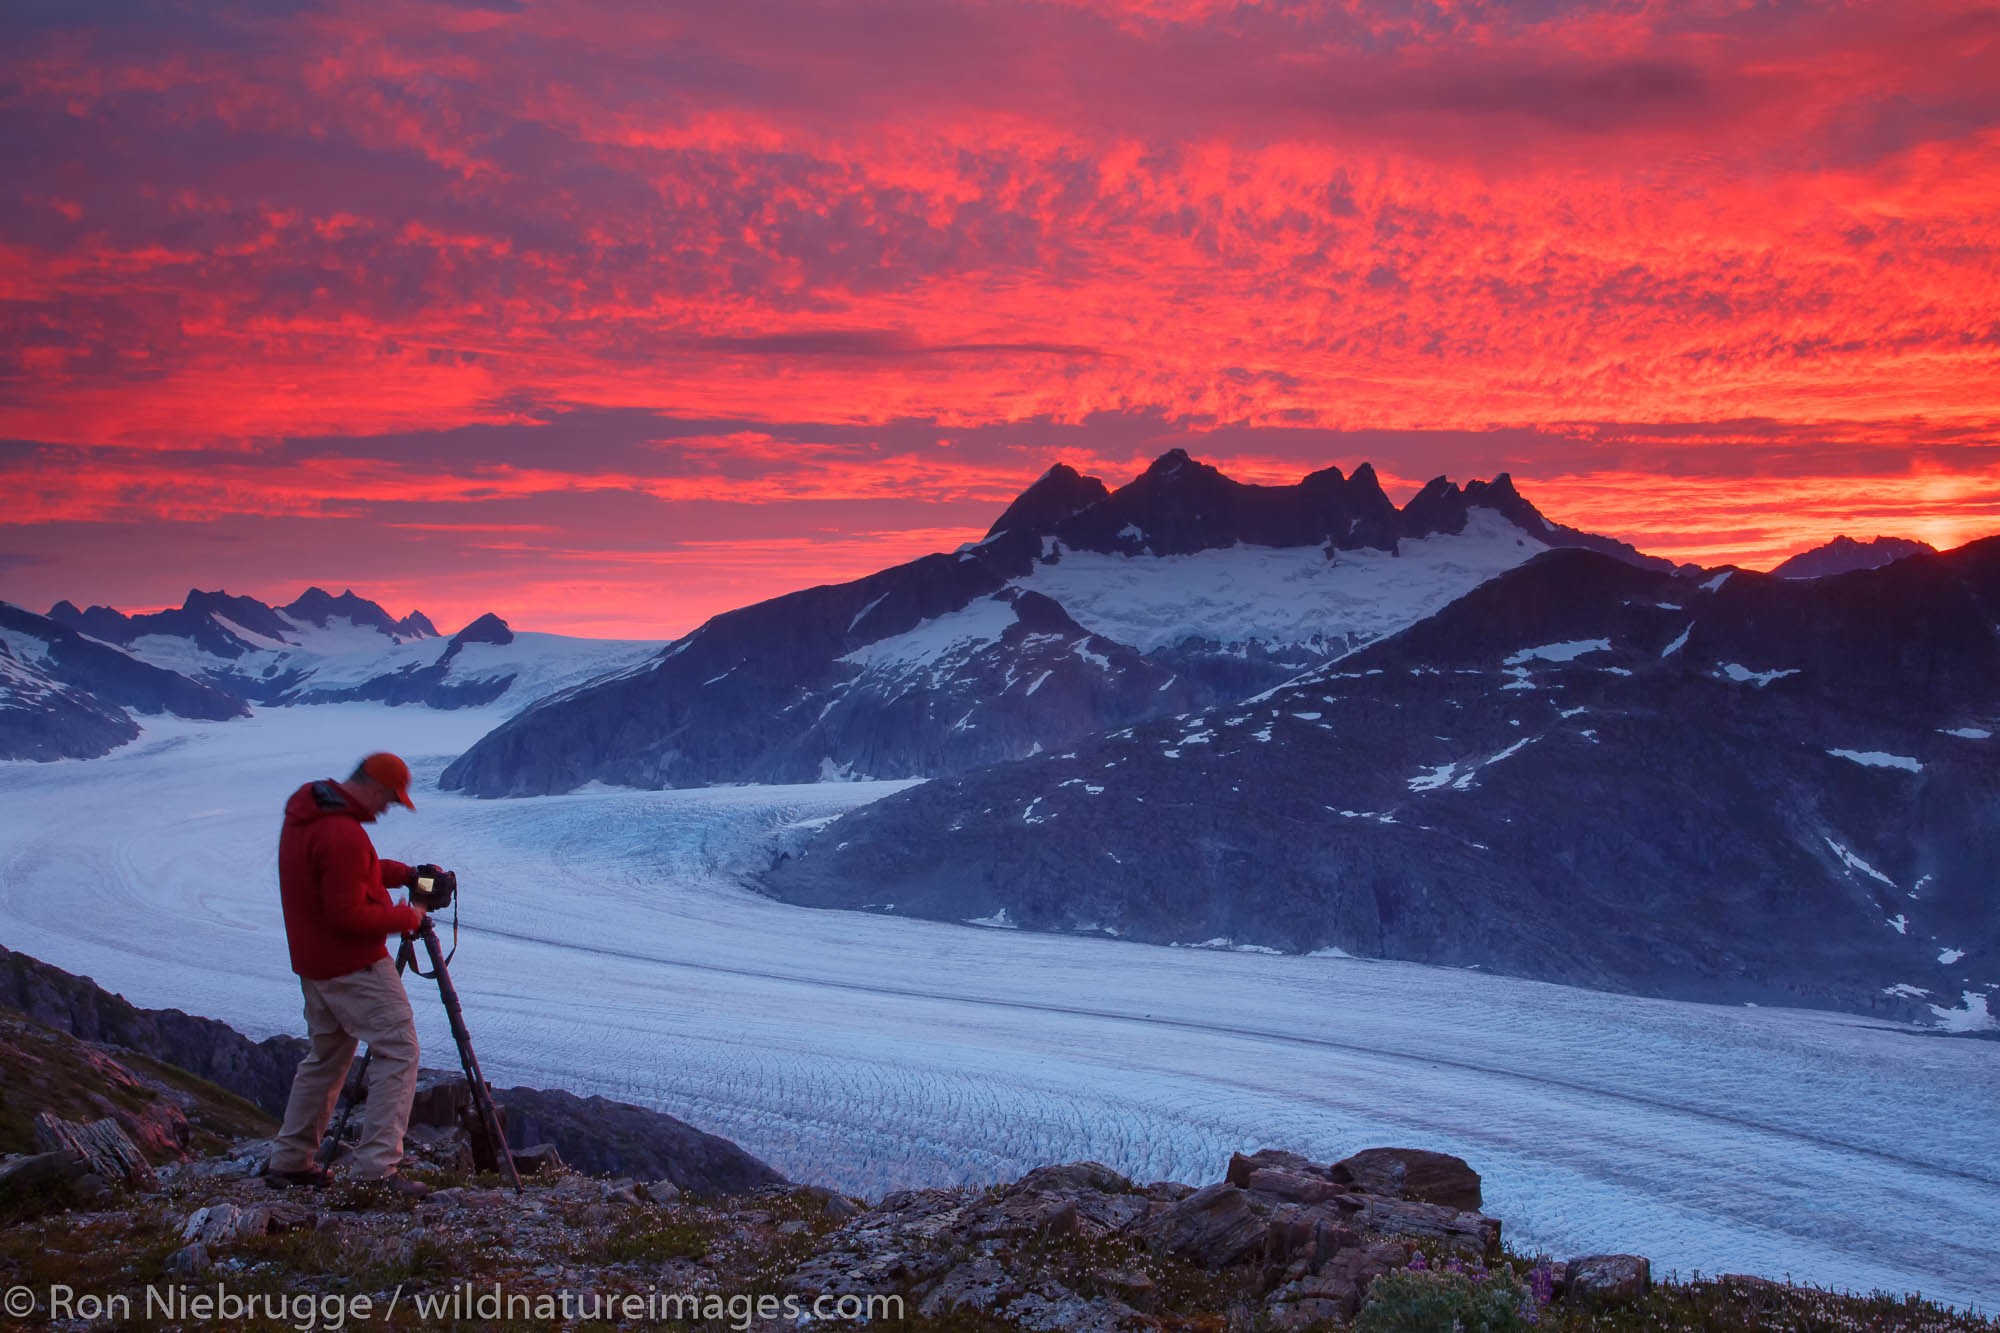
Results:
[1707, 786]
[326, 649]
[65, 695]
[1083, 608]
[1843, 554]
[68, 679]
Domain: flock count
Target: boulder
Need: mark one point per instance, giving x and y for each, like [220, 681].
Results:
[1294, 1186]
[189, 1260]
[110, 1152]
[1074, 1176]
[542, 1157]
[1241, 1168]
[441, 1098]
[1358, 1266]
[1611, 1279]
[1411, 1173]
[1212, 1227]
[1022, 1215]
[1472, 1234]
[1304, 1235]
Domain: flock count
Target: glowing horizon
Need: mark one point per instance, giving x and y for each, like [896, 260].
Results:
[608, 317]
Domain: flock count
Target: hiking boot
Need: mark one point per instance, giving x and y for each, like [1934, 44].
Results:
[314, 1177]
[401, 1185]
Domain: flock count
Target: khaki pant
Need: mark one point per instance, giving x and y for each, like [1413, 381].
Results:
[369, 1006]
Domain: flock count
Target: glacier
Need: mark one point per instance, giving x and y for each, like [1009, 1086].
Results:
[607, 947]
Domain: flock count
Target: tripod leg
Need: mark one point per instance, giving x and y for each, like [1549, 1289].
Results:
[482, 1098]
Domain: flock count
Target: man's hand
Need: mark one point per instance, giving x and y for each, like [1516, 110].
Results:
[420, 917]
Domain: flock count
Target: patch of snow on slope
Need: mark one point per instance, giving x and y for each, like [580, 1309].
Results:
[953, 634]
[1278, 594]
[1560, 652]
[1950, 956]
[998, 921]
[1465, 782]
[1717, 581]
[249, 636]
[1098, 660]
[862, 614]
[1968, 733]
[1743, 675]
[1854, 862]
[1679, 643]
[1435, 777]
[1877, 759]
[1974, 1017]
[26, 648]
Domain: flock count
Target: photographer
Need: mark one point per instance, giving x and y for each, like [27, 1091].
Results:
[337, 913]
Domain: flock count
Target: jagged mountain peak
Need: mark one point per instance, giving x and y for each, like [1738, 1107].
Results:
[1843, 555]
[316, 606]
[247, 612]
[1055, 495]
[488, 628]
[416, 625]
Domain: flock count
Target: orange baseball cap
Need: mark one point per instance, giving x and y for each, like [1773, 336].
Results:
[391, 772]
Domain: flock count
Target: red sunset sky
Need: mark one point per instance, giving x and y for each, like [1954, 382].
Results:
[609, 316]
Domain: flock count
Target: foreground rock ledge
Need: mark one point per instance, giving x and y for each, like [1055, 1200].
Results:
[1281, 1243]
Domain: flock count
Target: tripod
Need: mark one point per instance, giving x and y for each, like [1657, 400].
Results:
[488, 1124]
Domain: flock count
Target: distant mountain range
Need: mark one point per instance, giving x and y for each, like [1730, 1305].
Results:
[1189, 710]
[1707, 786]
[1843, 555]
[71, 681]
[1083, 608]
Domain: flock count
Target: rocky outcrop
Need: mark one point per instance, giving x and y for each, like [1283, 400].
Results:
[600, 1136]
[1292, 1242]
[259, 1072]
[591, 1133]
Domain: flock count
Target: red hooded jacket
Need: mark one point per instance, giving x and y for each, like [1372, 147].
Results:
[335, 889]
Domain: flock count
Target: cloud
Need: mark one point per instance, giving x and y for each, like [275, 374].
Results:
[531, 274]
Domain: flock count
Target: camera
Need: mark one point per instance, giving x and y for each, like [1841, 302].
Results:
[431, 888]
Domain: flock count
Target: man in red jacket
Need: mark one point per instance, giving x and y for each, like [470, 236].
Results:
[337, 911]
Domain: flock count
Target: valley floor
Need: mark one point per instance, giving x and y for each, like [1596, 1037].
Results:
[606, 948]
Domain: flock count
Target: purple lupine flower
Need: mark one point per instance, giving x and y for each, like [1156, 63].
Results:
[1417, 1263]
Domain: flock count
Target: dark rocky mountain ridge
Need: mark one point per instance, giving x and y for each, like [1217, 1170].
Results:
[952, 661]
[1730, 787]
[1843, 555]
